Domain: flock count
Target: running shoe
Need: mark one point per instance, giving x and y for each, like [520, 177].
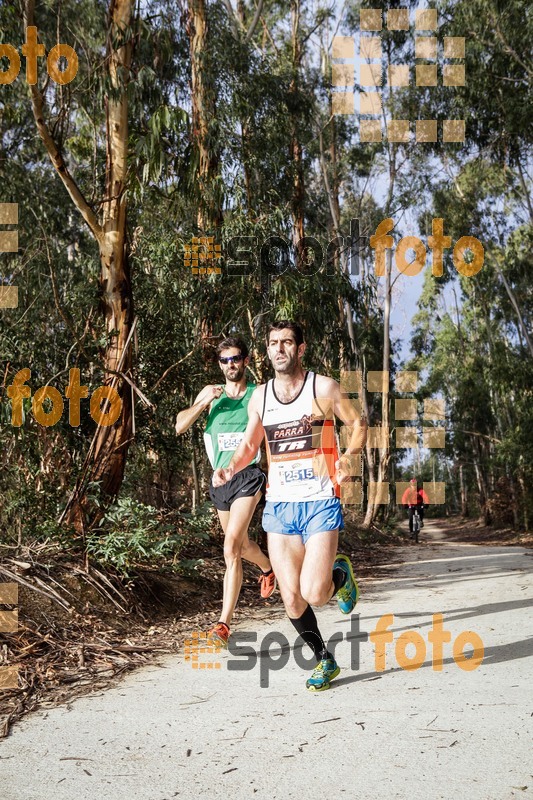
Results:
[348, 595]
[323, 674]
[268, 585]
[219, 635]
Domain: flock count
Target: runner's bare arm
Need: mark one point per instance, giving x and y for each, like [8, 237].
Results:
[203, 400]
[346, 411]
[250, 444]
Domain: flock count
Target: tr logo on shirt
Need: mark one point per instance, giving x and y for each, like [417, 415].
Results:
[290, 446]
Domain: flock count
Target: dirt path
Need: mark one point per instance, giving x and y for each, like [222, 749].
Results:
[173, 731]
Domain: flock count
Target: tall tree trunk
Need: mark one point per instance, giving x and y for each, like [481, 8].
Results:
[194, 469]
[384, 452]
[516, 307]
[370, 458]
[106, 459]
[245, 131]
[525, 497]
[296, 152]
[112, 442]
[354, 358]
[345, 310]
[464, 492]
[481, 482]
[203, 99]
[455, 500]
[497, 404]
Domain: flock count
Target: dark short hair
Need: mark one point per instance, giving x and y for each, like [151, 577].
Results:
[281, 324]
[233, 341]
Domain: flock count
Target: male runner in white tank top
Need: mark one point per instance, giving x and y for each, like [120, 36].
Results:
[294, 412]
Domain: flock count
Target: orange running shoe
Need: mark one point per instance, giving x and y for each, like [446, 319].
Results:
[268, 584]
[219, 635]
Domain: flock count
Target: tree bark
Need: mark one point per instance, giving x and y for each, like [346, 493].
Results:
[464, 492]
[203, 99]
[296, 152]
[523, 487]
[481, 483]
[515, 305]
[384, 452]
[106, 459]
[112, 442]
[345, 310]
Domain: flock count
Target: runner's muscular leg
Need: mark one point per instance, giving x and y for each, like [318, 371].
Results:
[250, 550]
[316, 583]
[235, 523]
[287, 555]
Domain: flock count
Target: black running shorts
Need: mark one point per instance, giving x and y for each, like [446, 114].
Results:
[245, 483]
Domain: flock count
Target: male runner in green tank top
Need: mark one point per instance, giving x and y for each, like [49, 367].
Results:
[235, 501]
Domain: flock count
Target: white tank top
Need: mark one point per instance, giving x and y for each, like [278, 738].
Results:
[301, 446]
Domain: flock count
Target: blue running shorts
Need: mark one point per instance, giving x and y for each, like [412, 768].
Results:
[304, 518]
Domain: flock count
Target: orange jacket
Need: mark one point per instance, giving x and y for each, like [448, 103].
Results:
[414, 497]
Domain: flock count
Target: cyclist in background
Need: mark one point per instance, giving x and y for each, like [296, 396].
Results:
[414, 498]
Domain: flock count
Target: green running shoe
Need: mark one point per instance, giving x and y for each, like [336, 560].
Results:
[323, 674]
[348, 595]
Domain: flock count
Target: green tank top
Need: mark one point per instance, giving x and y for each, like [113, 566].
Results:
[225, 428]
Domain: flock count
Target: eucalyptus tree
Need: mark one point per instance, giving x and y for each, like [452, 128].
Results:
[86, 130]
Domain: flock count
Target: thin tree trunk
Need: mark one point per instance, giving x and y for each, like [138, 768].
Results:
[245, 137]
[196, 482]
[346, 317]
[334, 227]
[481, 483]
[203, 99]
[296, 153]
[455, 501]
[522, 482]
[514, 304]
[384, 452]
[345, 310]
[499, 403]
[370, 458]
[464, 492]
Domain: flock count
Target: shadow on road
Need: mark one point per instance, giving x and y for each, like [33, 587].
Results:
[497, 654]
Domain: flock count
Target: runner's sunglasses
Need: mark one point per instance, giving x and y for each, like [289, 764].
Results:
[231, 359]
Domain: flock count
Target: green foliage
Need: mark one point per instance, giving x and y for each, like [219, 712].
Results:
[471, 348]
[131, 534]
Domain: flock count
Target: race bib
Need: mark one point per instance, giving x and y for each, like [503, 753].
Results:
[298, 475]
[229, 441]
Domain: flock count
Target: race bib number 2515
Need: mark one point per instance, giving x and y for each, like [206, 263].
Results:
[299, 475]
